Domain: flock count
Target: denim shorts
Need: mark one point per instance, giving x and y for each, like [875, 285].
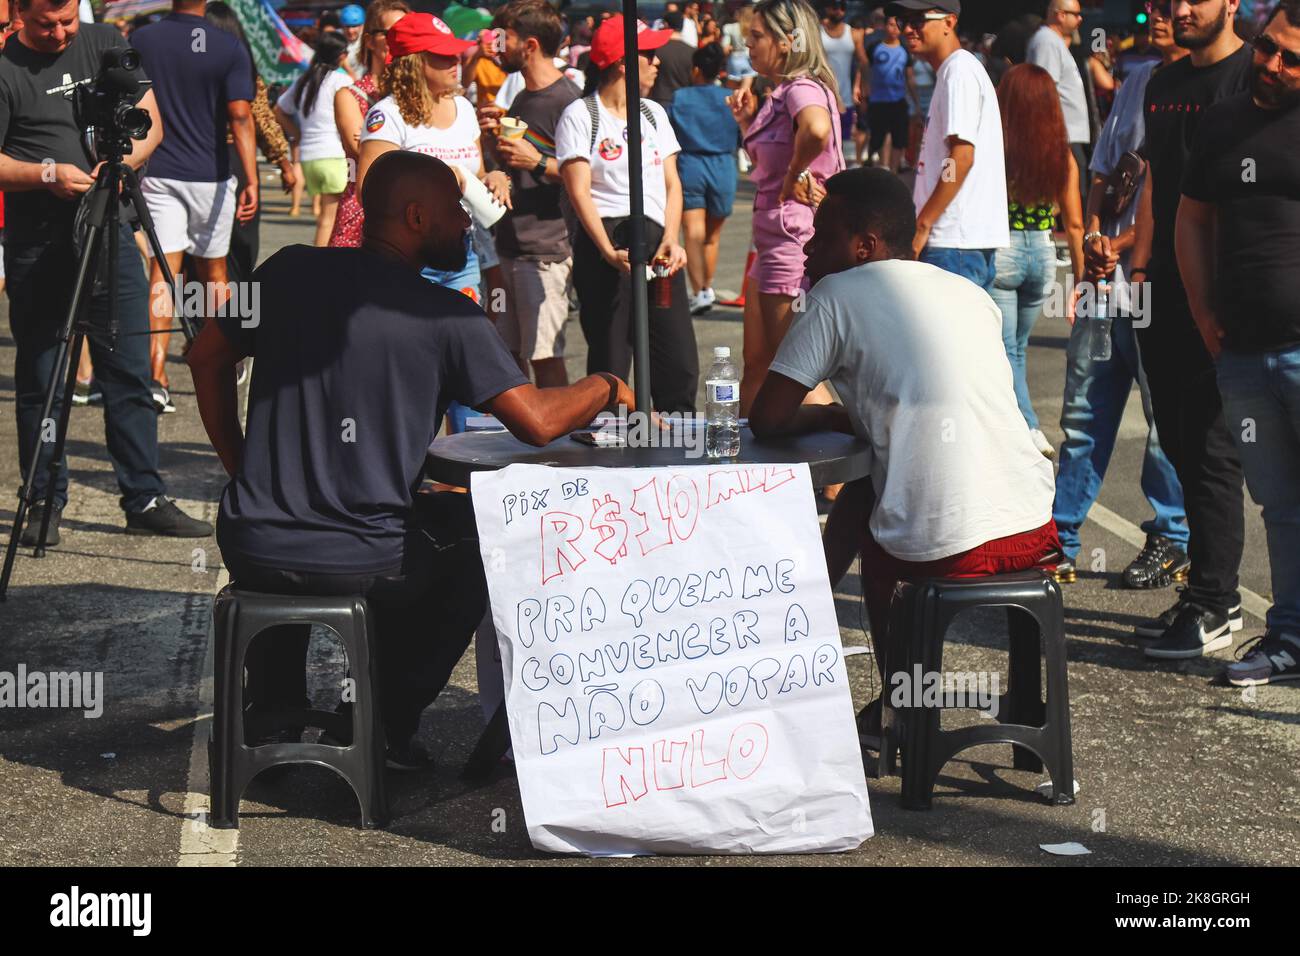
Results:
[708, 182]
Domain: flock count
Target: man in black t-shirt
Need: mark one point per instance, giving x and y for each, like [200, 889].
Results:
[1184, 398]
[1238, 235]
[358, 357]
[44, 173]
[674, 63]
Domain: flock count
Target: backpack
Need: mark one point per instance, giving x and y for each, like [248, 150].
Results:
[594, 112]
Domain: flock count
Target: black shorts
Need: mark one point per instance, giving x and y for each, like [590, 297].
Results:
[888, 119]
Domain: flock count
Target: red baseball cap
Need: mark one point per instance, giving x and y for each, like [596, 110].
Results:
[607, 44]
[424, 33]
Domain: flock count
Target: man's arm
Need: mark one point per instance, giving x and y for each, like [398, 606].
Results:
[538, 416]
[961, 157]
[1144, 229]
[779, 411]
[240, 114]
[1194, 244]
[142, 149]
[212, 361]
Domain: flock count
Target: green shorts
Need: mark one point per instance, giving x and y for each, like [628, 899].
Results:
[327, 176]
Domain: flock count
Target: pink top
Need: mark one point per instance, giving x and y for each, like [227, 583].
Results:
[770, 140]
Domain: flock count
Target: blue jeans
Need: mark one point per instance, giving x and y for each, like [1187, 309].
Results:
[41, 276]
[467, 278]
[1023, 272]
[973, 264]
[1261, 407]
[1095, 395]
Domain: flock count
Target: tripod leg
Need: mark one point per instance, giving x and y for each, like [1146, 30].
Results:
[60, 440]
[80, 294]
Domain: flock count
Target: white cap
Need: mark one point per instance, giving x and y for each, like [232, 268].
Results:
[721, 351]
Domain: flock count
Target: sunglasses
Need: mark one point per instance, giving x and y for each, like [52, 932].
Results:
[1268, 48]
[1160, 8]
[917, 21]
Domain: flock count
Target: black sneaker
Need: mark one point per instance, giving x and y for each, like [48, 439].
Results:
[1159, 564]
[33, 529]
[1195, 632]
[410, 755]
[1268, 659]
[87, 393]
[1154, 628]
[162, 398]
[869, 722]
[165, 519]
[1065, 572]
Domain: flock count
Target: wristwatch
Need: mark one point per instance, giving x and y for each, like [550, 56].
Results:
[540, 169]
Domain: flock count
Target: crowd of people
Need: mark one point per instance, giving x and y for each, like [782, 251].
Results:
[496, 166]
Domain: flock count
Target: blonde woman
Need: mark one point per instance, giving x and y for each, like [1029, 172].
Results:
[794, 142]
[351, 105]
[423, 111]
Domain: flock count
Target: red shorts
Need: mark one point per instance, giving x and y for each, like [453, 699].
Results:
[1016, 552]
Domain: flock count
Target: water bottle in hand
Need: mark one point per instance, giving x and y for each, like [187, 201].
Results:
[1099, 326]
[722, 406]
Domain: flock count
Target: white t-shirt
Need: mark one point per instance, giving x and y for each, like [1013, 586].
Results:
[609, 179]
[457, 145]
[1048, 49]
[320, 135]
[965, 105]
[915, 354]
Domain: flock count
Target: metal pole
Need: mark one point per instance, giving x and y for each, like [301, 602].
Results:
[637, 254]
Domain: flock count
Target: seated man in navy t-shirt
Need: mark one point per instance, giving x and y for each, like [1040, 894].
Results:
[358, 357]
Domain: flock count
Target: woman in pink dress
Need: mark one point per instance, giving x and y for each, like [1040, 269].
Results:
[794, 141]
[350, 107]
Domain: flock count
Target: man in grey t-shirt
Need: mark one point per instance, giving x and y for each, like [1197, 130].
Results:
[1050, 49]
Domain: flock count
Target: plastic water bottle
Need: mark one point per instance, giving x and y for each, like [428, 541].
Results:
[1099, 326]
[722, 406]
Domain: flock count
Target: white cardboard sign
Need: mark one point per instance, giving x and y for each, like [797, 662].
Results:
[673, 670]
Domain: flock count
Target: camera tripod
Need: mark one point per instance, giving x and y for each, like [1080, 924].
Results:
[116, 184]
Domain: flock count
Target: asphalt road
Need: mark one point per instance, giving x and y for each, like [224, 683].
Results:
[1171, 768]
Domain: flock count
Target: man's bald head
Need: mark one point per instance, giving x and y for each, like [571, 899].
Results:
[412, 201]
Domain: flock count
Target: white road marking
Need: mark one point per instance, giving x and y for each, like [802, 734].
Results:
[1121, 527]
[200, 844]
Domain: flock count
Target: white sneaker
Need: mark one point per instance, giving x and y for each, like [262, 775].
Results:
[1042, 444]
[702, 301]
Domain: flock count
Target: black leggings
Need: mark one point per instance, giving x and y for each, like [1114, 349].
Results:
[605, 301]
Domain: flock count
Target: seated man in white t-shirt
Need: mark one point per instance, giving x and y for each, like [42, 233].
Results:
[957, 488]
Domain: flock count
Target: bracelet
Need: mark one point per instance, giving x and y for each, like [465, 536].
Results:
[1091, 236]
[540, 169]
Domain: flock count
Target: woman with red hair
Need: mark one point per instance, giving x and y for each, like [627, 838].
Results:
[1042, 182]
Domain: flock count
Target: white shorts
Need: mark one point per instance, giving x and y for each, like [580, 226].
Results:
[191, 217]
[537, 307]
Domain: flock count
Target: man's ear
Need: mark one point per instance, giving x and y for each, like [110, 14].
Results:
[866, 247]
[413, 215]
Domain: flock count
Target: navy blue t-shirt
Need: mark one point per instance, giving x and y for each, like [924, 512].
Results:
[357, 358]
[196, 70]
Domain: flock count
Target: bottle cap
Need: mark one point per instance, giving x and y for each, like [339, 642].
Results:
[721, 351]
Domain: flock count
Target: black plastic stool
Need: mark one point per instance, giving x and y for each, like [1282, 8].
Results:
[922, 611]
[239, 616]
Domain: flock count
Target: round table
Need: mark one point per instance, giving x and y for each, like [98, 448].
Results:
[831, 456]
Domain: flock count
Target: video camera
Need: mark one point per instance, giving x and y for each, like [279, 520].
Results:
[105, 108]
